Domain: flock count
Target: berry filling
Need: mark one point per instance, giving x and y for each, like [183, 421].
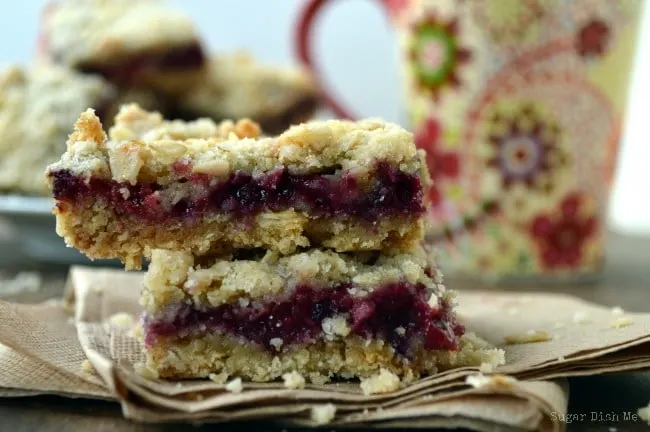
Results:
[187, 57]
[390, 192]
[397, 313]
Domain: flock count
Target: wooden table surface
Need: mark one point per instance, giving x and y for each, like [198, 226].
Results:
[625, 283]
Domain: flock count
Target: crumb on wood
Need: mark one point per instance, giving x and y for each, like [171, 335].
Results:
[219, 378]
[235, 386]
[621, 322]
[383, 382]
[293, 380]
[531, 336]
[323, 414]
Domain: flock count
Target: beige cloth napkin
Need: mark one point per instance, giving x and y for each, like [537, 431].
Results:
[43, 347]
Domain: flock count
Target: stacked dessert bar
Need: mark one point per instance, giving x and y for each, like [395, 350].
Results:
[299, 253]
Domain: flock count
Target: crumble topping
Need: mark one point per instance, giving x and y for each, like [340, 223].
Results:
[323, 414]
[113, 29]
[176, 277]
[134, 123]
[38, 106]
[384, 382]
[293, 380]
[151, 151]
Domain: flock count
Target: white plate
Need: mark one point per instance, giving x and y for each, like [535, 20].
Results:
[32, 231]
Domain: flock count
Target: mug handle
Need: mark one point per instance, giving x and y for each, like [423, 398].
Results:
[304, 51]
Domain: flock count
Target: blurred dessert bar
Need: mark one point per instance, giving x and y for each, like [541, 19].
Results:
[205, 187]
[134, 43]
[318, 313]
[37, 107]
[237, 86]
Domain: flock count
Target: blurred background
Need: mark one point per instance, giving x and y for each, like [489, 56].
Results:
[358, 55]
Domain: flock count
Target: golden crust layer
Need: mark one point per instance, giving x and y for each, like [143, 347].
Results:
[94, 229]
[351, 357]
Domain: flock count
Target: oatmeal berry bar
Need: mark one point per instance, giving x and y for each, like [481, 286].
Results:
[38, 106]
[237, 86]
[135, 42]
[319, 313]
[203, 187]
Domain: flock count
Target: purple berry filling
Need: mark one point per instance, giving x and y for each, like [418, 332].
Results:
[391, 193]
[297, 319]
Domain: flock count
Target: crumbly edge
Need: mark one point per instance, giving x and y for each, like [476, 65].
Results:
[238, 86]
[113, 30]
[176, 277]
[94, 229]
[352, 357]
[143, 148]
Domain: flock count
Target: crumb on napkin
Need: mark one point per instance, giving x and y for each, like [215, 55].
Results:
[383, 382]
[323, 414]
[530, 336]
[235, 386]
[293, 380]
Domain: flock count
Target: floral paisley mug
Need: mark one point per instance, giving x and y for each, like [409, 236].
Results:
[519, 105]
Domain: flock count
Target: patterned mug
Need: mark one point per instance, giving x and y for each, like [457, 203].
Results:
[519, 105]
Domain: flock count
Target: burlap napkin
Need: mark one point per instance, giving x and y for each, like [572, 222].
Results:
[44, 348]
